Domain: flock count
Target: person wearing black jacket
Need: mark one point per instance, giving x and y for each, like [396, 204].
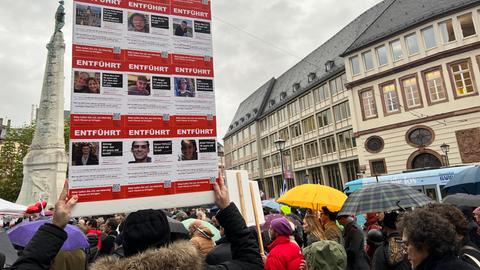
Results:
[48, 240]
[354, 244]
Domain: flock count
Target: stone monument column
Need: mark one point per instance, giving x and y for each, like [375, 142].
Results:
[45, 165]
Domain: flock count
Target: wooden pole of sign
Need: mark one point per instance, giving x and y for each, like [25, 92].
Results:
[257, 223]
[240, 193]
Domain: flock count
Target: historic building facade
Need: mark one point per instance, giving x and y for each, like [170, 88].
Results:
[381, 96]
[416, 89]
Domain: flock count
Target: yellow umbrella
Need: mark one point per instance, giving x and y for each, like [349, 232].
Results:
[314, 196]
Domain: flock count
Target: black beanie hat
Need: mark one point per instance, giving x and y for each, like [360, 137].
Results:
[390, 220]
[144, 229]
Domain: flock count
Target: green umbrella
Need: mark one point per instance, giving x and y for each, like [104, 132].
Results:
[215, 231]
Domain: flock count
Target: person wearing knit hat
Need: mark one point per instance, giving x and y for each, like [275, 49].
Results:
[284, 253]
[144, 229]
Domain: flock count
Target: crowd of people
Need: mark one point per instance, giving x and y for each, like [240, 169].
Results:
[437, 236]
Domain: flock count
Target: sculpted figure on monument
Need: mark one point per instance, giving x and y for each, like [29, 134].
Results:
[60, 17]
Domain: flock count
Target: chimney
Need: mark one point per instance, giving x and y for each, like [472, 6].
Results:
[9, 122]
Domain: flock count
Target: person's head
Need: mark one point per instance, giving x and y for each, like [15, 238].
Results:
[280, 226]
[119, 217]
[344, 219]
[140, 150]
[92, 224]
[81, 80]
[88, 11]
[389, 223]
[138, 22]
[327, 215]
[425, 234]
[184, 24]
[181, 216]
[111, 225]
[193, 226]
[142, 83]
[183, 84]
[93, 85]
[454, 215]
[85, 149]
[380, 216]
[476, 214]
[145, 229]
[311, 225]
[188, 149]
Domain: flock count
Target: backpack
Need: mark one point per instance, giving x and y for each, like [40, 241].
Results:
[394, 252]
[92, 250]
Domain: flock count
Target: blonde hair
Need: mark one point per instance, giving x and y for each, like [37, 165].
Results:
[311, 219]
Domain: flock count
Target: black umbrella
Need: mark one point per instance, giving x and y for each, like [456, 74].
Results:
[7, 249]
[177, 230]
[463, 199]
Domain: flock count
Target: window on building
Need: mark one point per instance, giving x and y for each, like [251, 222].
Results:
[411, 92]
[240, 152]
[367, 100]
[466, 23]
[295, 130]
[346, 140]
[311, 76]
[265, 143]
[255, 166]
[462, 78]
[355, 64]
[252, 130]
[272, 139]
[446, 31]
[390, 98]
[352, 168]
[397, 52]
[309, 124]
[282, 115]
[368, 60]
[382, 55]
[266, 163]
[298, 153]
[324, 118]
[272, 120]
[293, 109]
[412, 44]
[306, 101]
[333, 87]
[270, 188]
[321, 94]
[429, 38]
[434, 85]
[254, 147]
[333, 175]
[275, 160]
[248, 149]
[327, 145]
[420, 136]
[374, 144]
[316, 175]
[283, 134]
[378, 167]
[340, 85]
[341, 111]
[311, 149]
[263, 125]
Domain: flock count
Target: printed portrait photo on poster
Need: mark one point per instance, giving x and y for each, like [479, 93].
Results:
[138, 85]
[86, 82]
[84, 153]
[182, 27]
[88, 15]
[184, 87]
[138, 22]
[189, 150]
[141, 151]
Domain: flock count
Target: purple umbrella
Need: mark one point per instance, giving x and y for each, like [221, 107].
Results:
[269, 219]
[21, 234]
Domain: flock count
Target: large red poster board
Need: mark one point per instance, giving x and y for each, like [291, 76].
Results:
[143, 123]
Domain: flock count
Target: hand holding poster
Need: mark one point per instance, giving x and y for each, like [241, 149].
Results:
[143, 125]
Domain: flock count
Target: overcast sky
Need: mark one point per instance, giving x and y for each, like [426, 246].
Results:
[243, 34]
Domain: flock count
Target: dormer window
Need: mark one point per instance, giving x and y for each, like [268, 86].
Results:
[283, 95]
[271, 102]
[311, 76]
[329, 65]
[242, 120]
[231, 127]
[236, 123]
[248, 115]
[255, 111]
[295, 86]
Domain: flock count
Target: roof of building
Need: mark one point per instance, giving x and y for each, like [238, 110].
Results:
[402, 15]
[283, 87]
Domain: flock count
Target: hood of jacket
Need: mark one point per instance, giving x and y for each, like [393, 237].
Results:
[181, 255]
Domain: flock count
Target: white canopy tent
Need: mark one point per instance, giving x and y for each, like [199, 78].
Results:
[10, 208]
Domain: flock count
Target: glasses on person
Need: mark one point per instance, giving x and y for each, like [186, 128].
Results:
[187, 147]
[143, 146]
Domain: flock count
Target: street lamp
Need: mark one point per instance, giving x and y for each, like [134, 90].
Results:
[445, 149]
[280, 145]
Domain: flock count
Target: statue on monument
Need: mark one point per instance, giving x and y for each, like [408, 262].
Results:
[60, 17]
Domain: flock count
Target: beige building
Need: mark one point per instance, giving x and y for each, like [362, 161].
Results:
[309, 107]
[414, 82]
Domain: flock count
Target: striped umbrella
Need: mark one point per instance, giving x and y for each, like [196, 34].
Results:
[382, 197]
